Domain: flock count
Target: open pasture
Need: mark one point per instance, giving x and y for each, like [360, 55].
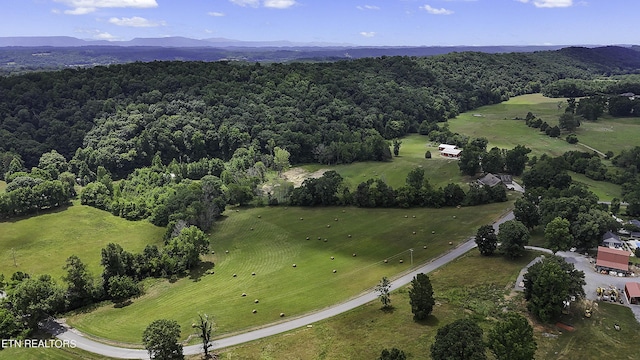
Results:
[438, 170]
[267, 242]
[41, 244]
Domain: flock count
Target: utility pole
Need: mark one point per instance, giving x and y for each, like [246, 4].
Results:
[411, 251]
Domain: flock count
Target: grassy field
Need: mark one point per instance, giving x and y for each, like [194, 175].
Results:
[268, 241]
[440, 171]
[41, 244]
[604, 190]
[472, 286]
[610, 134]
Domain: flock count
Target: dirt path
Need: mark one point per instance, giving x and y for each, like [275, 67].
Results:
[298, 175]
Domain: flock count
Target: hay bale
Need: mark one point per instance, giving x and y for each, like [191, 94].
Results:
[235, 275]
[406, 216]
[335, 271]
[259, 216]
[343, 211]
[253, 274]
[213, 252]
[325, 240]
[414, 233]
[354, 255]
[332, 258]
[281, 314]
[301, 219]
[454, 216]
[349, 236]
[328, 225]
[294, 265]
[226, 251]
[237, 210]
[256, 301]
[307, 238]
[251, 229]
[433, 232]
[424, 247]
[401, 261]
[243, 294]
[319, 238]
[450, 242]
[254, 311]
[414, 216]
[336, 219]
[386, 261]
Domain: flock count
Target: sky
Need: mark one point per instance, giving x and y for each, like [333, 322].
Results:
[349, 22]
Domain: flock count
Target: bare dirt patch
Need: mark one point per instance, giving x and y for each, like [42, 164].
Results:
[298, 175]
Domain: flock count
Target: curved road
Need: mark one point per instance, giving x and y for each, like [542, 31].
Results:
[65, 333]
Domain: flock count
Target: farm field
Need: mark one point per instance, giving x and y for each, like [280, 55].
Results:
[438, 170]
[41, 244]
[277, 241]
[473, 286]
[605, 191]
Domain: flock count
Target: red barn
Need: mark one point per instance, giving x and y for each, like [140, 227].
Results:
[612, 260]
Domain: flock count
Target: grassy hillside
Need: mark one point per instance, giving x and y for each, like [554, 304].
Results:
[268, 241]
[41, 244]
[440, 171]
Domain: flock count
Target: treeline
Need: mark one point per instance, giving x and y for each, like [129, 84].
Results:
[121, 116]
[418, 192]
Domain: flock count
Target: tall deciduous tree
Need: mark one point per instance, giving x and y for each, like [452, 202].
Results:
[548, 284]
[36, 299]
[80, 289]
[383, 292]
[486, 239]
[512, 339]
[459, 340]
[557, 235]
[421, 296]
[205, 327]
[512, 236]
[393, 354]
[516, 159]
[160, 339]
[526, 212]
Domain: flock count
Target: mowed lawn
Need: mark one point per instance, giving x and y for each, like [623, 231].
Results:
[438, 170]
[267, 242]
[41, 244]
[472, 286]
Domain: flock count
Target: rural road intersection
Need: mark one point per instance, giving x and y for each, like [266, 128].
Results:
[65, 333]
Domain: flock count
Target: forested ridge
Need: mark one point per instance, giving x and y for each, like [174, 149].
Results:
[120, 116]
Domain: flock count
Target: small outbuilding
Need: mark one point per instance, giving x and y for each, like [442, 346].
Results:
[632, 291]
[612, 260]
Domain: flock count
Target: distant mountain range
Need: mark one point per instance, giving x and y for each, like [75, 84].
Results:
[20, 54]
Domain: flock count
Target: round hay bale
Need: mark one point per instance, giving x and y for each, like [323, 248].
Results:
[226, 251]
[454, 216]
[386, 261]
[433, 231]
[406, 216]
[354, 255]
[336, 219]
[254, 311]
[307, 238]
[256, 301]
[251, 229]
[414, 216]
[450, 242]
[243, 294]
[414, 233]
[424, 247]
[335, 271]
[319, 238]
[235, 275]
[342, 210]
[349, 236]
[253, 274]
[332, 258]
[401, 261]
[237, 210]
[213, 252]
[294, 265]
[325, 240]
[281, 314]
[301, 219]
[259, 216]
[328, 225]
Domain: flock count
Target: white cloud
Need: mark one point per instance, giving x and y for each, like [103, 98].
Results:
[135, 21]
[434, 11]
[81, 7]
[215, 14]
[368, 34]
[279, 4]
[252, 3]
[275, 4]
[368, 7]
[548, 3]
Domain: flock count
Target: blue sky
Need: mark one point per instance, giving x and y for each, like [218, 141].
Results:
[358, 22]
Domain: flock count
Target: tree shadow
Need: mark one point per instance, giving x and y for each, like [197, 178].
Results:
[388, 309]
[122, 304]
[55, 210]
[205, 267]
[431, 320]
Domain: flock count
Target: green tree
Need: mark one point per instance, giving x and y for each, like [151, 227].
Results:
[205, 327]
[526, 212]
[568, 122]
[512, 339]
[383, 292]
[396, 146]
[516, 159]
[281, 159]
[160, 339]
[35, 299]
[548, 284]
[486, 239]
[615, 206]
[588, 228]
[557, 235]
[122, 288]
[187, 247]
[10, 325]
[393, 354]
[459, 340]
[421, 297]
[512, 236]
[80, 285]
[493, 161]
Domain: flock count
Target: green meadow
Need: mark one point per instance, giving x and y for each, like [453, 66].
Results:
[267, 242]
[41, 244]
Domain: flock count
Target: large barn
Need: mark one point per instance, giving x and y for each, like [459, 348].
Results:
[632, 291]
[612, 260]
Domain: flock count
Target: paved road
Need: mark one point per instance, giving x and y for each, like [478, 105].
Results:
[65, 333]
